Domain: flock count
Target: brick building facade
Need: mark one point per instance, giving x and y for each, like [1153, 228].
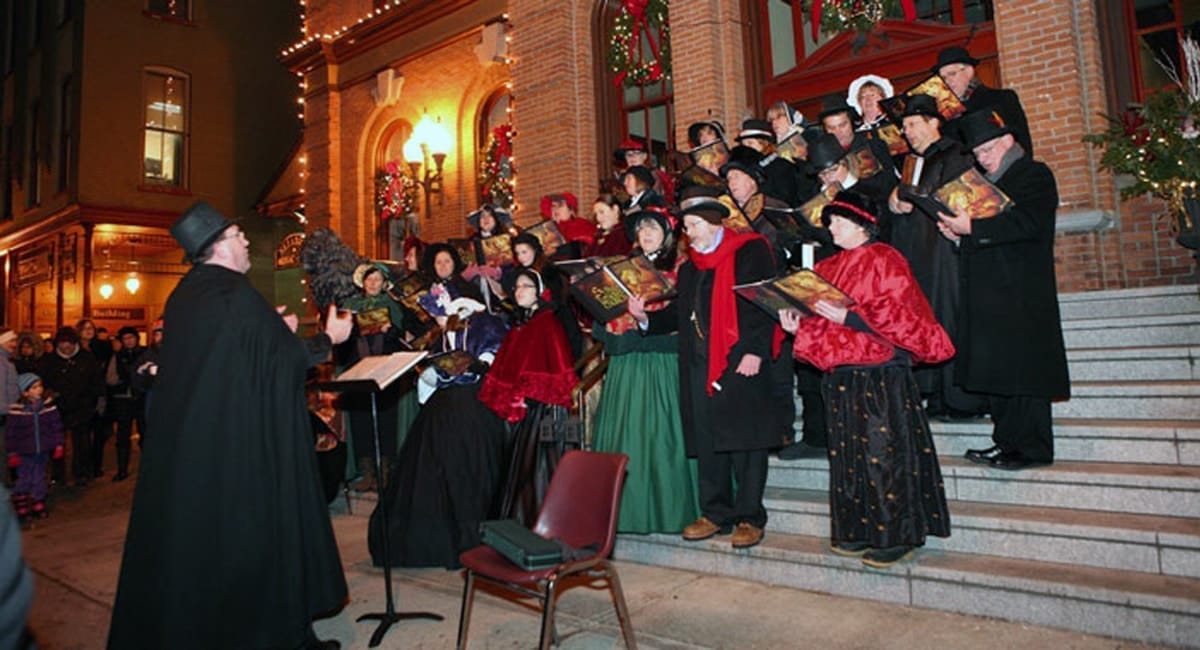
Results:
[1052, 52]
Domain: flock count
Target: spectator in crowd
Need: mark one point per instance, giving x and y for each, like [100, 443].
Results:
[125, 403]
[73, 377]
[33, 436]
[29, 351]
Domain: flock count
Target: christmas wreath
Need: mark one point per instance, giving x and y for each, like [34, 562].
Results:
[497, 175]
[395, 191]
[837, 16]
[640, 20]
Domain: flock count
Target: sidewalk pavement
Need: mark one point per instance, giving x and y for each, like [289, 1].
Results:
[76, 555]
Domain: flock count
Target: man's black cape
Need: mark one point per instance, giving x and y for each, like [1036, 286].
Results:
[229, 543]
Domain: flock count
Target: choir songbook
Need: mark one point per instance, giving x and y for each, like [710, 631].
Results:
[800, 290]
[605, 293]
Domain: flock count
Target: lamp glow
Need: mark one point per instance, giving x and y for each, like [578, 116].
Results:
[132, 284]
[106, 291]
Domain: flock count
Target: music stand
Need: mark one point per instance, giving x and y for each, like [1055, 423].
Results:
[371, 375]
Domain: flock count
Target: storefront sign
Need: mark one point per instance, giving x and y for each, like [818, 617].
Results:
[34, 265]
[287, 254]
[119, 313]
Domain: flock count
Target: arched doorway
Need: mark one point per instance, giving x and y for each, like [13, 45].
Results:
[389, 233]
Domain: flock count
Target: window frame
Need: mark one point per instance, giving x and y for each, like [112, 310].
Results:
[183, 185]
[66, 136]
[1133, 39]
[33, 187]
[186, 19]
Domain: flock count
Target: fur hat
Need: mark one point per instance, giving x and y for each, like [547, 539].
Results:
[954, 54]
[27, 379]
[330, 265]
[66, 333]
[565, 197]
[857, 84]
[854, 207]
[755, 128]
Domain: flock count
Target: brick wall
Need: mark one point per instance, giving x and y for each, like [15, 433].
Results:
[553, 86]
[345, 128]
[709, 64]
[1050, 54]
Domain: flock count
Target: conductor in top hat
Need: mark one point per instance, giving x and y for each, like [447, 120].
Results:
[956, 67]
[229, 543]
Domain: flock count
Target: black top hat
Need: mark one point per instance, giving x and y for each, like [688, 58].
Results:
[854, 207]
[760, 129]
[644, 175]
[953, 54]
[921, 104]
[746, 160]
[198, 227]
[980, 126]
[824, 153]
[837, 104]
[694, 131]
[702, 204]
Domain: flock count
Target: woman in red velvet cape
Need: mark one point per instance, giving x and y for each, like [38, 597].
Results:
[530, 380]
[885, 485]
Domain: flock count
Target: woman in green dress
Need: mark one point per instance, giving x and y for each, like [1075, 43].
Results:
[638, 414]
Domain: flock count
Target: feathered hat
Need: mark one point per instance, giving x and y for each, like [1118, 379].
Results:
[330, 265]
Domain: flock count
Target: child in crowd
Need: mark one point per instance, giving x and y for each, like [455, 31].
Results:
[33, 437]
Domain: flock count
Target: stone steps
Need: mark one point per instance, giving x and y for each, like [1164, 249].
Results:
[1144, 543]
[1149, 301]
[1132, 400]
[1160, 442]
[1132, 331]
[1125, 604]
[1167, 490]
[1156, 363]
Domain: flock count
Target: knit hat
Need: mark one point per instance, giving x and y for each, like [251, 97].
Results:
[565, 197]
[7, 336]
[126, 330]
[26, 379]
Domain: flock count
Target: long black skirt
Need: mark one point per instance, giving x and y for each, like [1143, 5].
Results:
[446, 480]
[885, 485]
[539, 442]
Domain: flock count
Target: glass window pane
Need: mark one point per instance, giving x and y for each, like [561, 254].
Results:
[174, 101]
[636, 121]
[153, 88]
[1149, 13]
[783, 36]
[659, 130]
[632, 95]
[152, 167]
[1162, 45]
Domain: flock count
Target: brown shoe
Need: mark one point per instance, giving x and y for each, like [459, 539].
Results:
[746, 535]
[702, 528]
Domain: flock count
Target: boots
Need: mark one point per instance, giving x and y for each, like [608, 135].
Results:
[367, 483]
[122, 464]
[23, 504]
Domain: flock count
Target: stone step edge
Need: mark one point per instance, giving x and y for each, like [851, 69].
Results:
[1098, 525]
[1133, 353]
[1176, 477]
[1133, 293]
[1130, 322]
[1073, 428]
[1109, 586]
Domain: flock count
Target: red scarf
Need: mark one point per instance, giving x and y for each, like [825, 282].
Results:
[723, 319]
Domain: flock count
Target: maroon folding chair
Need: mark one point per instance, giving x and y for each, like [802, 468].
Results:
[581, 510]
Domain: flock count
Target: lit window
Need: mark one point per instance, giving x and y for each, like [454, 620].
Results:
[164, 161]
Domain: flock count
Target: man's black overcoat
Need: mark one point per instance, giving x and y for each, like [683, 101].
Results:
[1011, 337]
[229, 543]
